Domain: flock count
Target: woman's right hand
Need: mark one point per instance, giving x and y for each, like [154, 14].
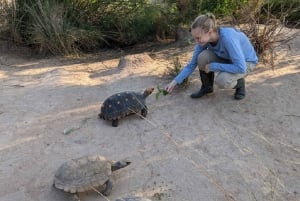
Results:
[171, 86]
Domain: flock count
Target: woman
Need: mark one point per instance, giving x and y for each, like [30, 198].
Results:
[225, 51]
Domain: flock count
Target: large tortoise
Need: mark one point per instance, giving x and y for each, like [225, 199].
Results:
[87, 173]
[123, 104]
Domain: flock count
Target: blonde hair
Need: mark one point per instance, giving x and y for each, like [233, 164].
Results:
[205, 22]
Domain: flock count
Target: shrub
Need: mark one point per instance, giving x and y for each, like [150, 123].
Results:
[281, 9]
[9, 23]
[51, 26]
[264, 29]
[68, 26]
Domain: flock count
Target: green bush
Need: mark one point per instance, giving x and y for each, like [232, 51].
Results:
[222, 7]
[127, 29]
[54, 26]
[68, 26]
[289, 11]
[139, 24]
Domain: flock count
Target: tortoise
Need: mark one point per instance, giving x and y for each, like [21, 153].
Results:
[87, 173]
[132, 198]
[123, 104]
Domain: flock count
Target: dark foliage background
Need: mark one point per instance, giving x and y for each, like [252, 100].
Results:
[73, 26]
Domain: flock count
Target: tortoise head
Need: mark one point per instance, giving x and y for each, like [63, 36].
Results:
[119, 164]
[148, 91]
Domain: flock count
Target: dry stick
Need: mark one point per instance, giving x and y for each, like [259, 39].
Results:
[228, 196]
[100, 194]
[261, 136]
[258, 157]
[290, 146]
[69, 130]
[292, 115]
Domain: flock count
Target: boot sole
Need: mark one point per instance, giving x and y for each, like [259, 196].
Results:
[239, 96]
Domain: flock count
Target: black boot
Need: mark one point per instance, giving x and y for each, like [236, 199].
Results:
[240, 90]
[207, 80]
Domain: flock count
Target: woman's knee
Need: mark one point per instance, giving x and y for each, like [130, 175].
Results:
[224, 82]
[205, 57]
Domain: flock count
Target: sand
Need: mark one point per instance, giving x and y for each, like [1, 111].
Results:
[210, 149]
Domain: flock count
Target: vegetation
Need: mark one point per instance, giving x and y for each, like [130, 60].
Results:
[160, 91]
[175, 69]
[73, 26]
[264, 23]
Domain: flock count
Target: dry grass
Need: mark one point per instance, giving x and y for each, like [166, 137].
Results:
[266, 37]
[201, 168]
[265, 31]
[175, 69]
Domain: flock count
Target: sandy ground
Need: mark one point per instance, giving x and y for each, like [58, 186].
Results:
[212, 149]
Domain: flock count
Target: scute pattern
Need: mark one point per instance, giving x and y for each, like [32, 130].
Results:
[122, 104]
[79, 175]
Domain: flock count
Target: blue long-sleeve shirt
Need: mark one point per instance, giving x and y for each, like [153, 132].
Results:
[233, 45]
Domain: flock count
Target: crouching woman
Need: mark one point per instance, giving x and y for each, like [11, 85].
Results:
[224, 55]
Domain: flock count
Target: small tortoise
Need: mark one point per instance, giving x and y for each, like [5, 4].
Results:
[132, 198]
[123, 104]
[87, 173]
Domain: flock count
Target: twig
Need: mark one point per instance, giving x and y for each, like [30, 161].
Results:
[13, 85]
[290, 146]
[161, 129]
[70, 130]
[292, 115]
[100, 193]
[277, 179]
[228, 196]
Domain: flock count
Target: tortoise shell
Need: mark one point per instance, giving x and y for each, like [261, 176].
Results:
[83, 174]
[123, 104]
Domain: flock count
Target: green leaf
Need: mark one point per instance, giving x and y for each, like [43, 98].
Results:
[157, 95]
[161, 91]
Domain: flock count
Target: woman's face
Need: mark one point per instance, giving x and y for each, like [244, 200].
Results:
[200, 36]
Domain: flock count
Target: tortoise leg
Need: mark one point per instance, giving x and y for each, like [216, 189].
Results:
[144, 112]
[115, 123]
[108, 188]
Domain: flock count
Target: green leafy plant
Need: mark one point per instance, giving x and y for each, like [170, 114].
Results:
[161, 91]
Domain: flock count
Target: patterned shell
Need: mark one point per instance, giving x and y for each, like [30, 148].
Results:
[81, 174]
[123, 104]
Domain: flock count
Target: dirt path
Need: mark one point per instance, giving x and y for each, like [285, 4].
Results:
[186, 150]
